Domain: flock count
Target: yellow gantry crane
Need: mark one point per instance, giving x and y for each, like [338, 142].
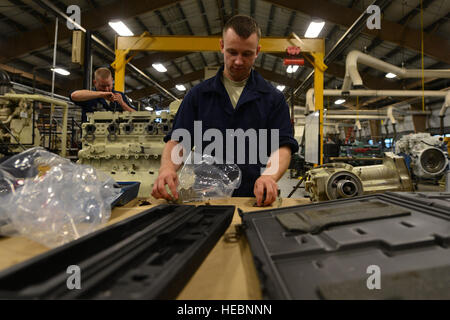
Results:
[125, 46]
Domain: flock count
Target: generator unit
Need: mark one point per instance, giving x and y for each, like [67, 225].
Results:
[18, 128]
[425, 155]
[340, 180]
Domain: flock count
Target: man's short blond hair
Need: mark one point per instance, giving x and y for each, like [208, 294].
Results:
[243, 25]
[102, 73]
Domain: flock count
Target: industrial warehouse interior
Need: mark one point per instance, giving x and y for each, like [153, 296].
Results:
[225, 150]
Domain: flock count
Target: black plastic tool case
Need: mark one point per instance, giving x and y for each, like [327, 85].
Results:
[149, 256]
[128, 191]
[333, 264]
[434, 199]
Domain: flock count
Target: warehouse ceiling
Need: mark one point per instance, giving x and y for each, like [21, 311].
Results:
[27, 31]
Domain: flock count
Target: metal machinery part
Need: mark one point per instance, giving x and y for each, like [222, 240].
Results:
[16, 117]
[447, 141]
[127, 146]
[5, 82]
[340, 180]
[447, 181]
[427, 154]
[28, 120]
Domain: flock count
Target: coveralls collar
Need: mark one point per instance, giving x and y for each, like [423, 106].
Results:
[255, 85]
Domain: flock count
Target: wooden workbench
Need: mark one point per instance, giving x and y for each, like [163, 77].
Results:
[226, 273]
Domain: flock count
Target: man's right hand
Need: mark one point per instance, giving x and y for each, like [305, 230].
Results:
[166, 176]
[107, 95]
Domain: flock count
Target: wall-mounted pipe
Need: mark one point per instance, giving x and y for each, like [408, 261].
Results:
[352, 75]
[390, 115]
[442, 112]
[329, 124]
[372, 93]
[369, 111]
[350, 117]
[445, 105]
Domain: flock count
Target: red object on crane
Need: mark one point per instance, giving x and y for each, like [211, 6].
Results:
[293, 60]
[293, 51]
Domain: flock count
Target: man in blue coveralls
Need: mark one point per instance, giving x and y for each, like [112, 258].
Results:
[236, 98]
[103, 97]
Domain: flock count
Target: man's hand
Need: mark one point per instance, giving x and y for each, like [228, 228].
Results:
[166, 176]
[107, 95]
[117, 97]
[267, 185]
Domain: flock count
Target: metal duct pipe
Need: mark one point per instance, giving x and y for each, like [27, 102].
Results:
[445, 105]
[350, 117]
[352, 75]
[27, 89]
[329, 124]
[376, 112]
[343, 43]
[374, 93]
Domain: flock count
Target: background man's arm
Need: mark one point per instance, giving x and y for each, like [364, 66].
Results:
[84, 95]
[276, 166]
[117, 97]
[125, 107]
[167, 174]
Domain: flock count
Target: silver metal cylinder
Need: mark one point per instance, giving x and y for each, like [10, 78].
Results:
[347, 188]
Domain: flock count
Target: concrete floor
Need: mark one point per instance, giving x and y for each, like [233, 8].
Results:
[429, 187]
[286, 184]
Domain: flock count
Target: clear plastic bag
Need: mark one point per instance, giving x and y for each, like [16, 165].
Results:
[205, 179]
[50, 200]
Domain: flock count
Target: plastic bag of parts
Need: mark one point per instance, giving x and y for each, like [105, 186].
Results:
[205, 179]
[48, 199]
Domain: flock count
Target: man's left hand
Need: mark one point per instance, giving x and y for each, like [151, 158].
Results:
[117, 97]
[267, 185]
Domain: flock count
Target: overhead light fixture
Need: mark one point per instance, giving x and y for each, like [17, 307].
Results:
[120, 28]
[292, 68]
[390, 75]
[314, 29]
[149, 108]
[281, 88]
[180, 87]
[61, 71]
[159, 67]
[339, 101]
